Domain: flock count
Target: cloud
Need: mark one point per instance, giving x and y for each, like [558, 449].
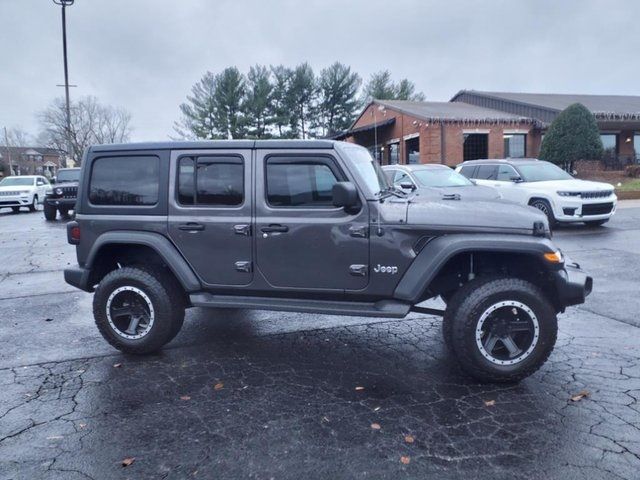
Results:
[144, 55]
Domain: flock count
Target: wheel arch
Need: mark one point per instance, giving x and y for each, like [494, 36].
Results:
[437, 261]
[112, 249]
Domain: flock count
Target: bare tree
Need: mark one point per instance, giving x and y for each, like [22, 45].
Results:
[18, 137]
[91, 123]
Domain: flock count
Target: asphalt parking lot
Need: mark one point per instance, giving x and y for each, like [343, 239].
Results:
[245, 394]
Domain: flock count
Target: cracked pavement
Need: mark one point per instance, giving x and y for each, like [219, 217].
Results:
[248, 394]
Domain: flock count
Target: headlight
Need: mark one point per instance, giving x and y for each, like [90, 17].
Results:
[58, 191]
[569, 194]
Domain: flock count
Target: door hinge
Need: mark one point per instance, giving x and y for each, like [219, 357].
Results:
[358, 270]
[242, 230]
[243, 266]
[360, 232]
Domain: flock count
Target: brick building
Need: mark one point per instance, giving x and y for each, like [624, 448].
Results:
[476, 124]
[30, 161]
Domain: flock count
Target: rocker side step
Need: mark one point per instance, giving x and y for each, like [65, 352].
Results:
[382, 308]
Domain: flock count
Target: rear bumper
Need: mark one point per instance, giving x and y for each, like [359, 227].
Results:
[79, 278]
[573, 285]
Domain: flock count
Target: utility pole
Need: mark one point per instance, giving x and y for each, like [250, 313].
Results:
[64, 4]
[6, 143]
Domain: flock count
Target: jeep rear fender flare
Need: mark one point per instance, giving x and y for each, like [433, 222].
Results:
[159, 244]
[435, 255]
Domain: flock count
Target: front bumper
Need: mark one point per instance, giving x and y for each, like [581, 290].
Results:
[578, 210]
[572, 284]
[78, 277]
[69, 203]
[15, 201]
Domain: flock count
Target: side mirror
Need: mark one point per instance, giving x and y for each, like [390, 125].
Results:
[407, 186]
[345, 195]
[517, 179]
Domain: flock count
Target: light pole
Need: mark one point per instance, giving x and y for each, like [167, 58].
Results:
[64, 4]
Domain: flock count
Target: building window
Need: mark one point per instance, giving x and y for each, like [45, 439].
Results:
[610, 143]
[394, 153]
[515, 145]
[412, 147]
[476, 146]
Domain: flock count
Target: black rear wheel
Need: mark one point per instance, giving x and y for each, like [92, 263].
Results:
[137, 309]
[50, 212]
[500, 329]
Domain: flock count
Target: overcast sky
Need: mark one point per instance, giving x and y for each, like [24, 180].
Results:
[145, 55]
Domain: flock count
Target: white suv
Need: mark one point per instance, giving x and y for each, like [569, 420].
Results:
[23, 191]
[547, 187]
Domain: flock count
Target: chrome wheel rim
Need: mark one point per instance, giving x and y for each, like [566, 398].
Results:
[542, 207]
[507, 332]
[130, 312]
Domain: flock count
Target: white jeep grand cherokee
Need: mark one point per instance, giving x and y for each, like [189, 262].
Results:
[23, 191]
[547, 187]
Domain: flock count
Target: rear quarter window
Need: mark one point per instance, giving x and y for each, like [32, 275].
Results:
[125, 181]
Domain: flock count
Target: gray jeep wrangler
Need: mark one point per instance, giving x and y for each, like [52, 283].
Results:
[310, 226]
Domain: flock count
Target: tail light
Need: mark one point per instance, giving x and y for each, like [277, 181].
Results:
[73, 233]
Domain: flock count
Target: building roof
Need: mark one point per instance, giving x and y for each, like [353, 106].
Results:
[600, 105]
[450, 111]
[16, 151]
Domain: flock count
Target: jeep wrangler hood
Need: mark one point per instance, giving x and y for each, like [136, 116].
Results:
[490, 216]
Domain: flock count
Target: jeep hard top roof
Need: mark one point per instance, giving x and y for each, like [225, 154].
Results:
[212, 144]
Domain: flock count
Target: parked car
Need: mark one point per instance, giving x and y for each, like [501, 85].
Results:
[438, 179]
[23, 191]
[62, 196]
[309, 226]
[547, 187]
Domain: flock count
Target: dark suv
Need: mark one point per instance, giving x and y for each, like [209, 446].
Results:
[63, 194]
[310, 226]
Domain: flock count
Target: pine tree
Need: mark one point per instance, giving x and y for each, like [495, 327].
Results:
[228, 98]
[337, 102]
[280, 100]
[381, 87]
[573, 135]
[405, 90]
[302, 95]
[199, 112]
[257, 104]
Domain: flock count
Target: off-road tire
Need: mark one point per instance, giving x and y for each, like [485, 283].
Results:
[64, 212]
[464, 311]
[545, 207]
[50, 212]
[596, 223]
[34, 205]
[168, 304]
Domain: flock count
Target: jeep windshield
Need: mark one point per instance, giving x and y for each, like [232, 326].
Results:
[542, 172]
[16, 182]
[440, 177]
[368, 169]
[68, 176]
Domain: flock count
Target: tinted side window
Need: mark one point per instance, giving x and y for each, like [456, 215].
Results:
[126, 180]
[301, 184]
[467, 171]
[216, 180]
[506, 173]
[487, 172]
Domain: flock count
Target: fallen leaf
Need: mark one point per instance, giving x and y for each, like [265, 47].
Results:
[185, 397]
[128, 461]
[409, 438]
[489, 403]
[117, 365]
[82, 425]
[376, 409]
[376, 426]
[405, 460]
[580, 396]
[218, 386]
[359, 388]
[326, 419]
[48, 319]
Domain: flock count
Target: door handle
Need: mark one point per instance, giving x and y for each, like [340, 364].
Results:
[191, 227]
[274, 228]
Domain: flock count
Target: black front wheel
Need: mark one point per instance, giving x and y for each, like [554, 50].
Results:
[50, 212]
[500, 329]
[138, 309]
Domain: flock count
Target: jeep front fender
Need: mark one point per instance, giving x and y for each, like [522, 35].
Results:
[440, 250]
